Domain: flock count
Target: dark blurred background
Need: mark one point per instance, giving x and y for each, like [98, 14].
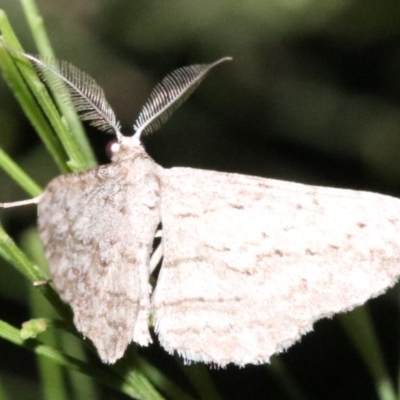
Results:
[312, 96]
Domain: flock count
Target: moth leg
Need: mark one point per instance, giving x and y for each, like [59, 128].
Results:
[156, 257]
[42, 282]
[158, 234]
[34, 200]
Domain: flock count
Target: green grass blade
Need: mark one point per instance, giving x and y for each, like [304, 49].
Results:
[359, 327]
[18, 175]
[144, 390]
[19, 74]
[160, 381]
[199, 377]
[24, 96]
[286, 381]
[36, 24]
[52, 376]
[16, 257]
[3, 392]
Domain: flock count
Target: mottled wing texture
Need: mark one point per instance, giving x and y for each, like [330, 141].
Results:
[97, 228]
[251, 263]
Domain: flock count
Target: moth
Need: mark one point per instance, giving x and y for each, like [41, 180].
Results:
[249, 263]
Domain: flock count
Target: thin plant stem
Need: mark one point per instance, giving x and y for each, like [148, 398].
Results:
[18, 175]
[16, 65]
[199, 377]
[24, 96]
[36, 24]
[15, 256]
[3, 392]
[141, 390]
[52, 376]
[160, 381]
[359, 328]
[286, 381]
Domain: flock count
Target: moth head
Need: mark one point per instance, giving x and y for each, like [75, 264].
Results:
[124, 148]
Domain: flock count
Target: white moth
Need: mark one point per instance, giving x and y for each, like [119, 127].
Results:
[249, 264]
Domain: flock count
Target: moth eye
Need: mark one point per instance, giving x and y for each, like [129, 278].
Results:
[112, 147]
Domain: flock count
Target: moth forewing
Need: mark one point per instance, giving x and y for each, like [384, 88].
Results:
[97, 228]
[251, 263]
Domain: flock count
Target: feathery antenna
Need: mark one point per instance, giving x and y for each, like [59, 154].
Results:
[78, 87]
[169, 94]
